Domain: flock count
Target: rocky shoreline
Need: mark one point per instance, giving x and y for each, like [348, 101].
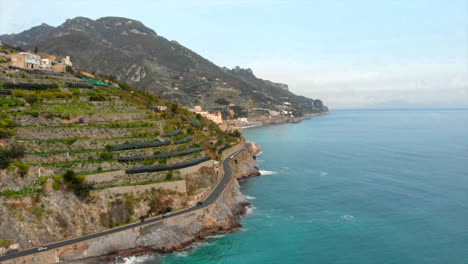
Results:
[283, 120]
[177, 235]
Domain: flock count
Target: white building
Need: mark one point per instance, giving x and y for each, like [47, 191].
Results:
[46, 63]
[67, 61]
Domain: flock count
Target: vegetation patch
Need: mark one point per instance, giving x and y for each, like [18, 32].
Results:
[8, 155]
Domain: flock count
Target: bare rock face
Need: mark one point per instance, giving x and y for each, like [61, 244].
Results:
[245, 166]
[177, 233]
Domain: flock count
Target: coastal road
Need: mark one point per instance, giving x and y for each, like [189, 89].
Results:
[208, 201]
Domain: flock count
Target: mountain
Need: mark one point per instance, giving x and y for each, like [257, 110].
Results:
[131, 52]
[27, 37]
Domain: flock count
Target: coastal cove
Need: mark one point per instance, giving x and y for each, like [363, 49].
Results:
[351, 187]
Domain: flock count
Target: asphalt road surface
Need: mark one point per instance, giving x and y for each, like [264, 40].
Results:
[208, 201]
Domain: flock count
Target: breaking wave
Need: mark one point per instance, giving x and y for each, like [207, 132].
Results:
[217, 236]
[265, 172]
[250, 197]
[347, 217]
[250, 210]
[137, 259]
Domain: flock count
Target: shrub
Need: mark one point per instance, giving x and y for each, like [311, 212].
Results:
[109, 147]
[5, 243]
[106, 156]
[169, 175]
[69, 141]
[71, 179]
[174, 108]
[22, 168]
[6, 127]
[57, 178]
[56, 185]
[43, 179]
[76, 183]
[31, 100]
[16, 151]
[235, 133]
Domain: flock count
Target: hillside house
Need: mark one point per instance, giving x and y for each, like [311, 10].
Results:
[46, 63]
[67, 61]
[26, 60]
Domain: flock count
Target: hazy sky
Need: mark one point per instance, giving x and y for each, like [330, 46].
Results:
[349, 53]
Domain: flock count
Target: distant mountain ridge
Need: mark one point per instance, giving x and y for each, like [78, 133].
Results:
[131, 52]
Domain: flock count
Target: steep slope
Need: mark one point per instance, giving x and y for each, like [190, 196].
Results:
[77, 158]
[131, 52]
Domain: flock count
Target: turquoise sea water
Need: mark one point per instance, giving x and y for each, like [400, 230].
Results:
[354, 187]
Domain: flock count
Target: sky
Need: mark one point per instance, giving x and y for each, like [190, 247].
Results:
[349, 53]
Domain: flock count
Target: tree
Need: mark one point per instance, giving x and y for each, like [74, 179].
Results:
[236, 133]
[68, 69]
[174, 108]
[169, 175]
[36, 50]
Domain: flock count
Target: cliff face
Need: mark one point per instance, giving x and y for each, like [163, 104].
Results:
[245, 166]
[60, 215]
[177, 233]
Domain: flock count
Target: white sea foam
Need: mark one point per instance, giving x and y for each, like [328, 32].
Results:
[181, 254]
[260, 153]
[245, 127]
[137, 259]
[250, 210]
[250, 197]
[347, 217]
[217, 236]
[323, 173]
[265, 172]
[195, 246]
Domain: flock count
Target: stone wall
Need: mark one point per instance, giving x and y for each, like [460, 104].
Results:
[44, 118]
[82, 132]
[176, 186]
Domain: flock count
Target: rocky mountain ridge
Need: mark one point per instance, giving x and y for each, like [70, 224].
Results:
[129, 51]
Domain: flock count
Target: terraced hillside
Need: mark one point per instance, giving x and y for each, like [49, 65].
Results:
[76, 158]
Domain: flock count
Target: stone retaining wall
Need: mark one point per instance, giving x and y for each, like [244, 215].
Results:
[176, 186]
[28, 120]
[82, 132]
